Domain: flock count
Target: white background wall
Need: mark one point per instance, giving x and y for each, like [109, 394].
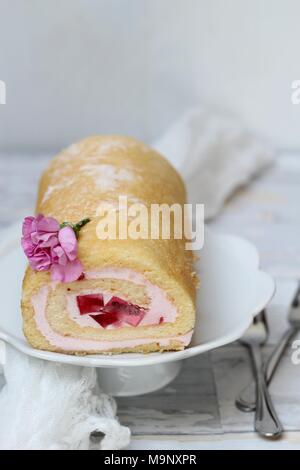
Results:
[78, 67]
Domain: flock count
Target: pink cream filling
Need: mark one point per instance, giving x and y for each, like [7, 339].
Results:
[160, 310]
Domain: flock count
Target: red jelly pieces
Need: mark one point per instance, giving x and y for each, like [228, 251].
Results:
[90, 303]
[106, 319]
[134, 315]
[115, 311]
[128, 313]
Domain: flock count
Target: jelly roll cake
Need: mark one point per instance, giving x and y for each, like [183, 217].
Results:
[83, 293]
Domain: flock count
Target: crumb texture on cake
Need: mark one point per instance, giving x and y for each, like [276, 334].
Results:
[155, 275]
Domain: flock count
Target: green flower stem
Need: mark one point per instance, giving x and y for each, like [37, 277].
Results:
[76, 227]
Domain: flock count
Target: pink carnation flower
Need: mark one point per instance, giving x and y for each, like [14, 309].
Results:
[51, 248]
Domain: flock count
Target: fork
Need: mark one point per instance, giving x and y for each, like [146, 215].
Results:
[246, 399]
[266, 421]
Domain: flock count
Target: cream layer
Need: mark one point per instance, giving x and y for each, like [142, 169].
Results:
[159, 306]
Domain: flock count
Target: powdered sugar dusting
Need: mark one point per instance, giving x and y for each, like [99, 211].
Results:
[48, 193]
[53, 188]
[108, 177]
[92, 149]
[120, 144]
[74, 149]
[69, 153]
[114, 145]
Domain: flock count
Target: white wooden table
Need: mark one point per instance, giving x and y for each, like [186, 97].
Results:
[197, 410]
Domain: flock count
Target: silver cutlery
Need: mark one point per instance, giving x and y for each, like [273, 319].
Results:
[246, 399]
[266, 421]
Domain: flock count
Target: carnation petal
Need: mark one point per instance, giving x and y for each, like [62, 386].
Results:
[28, 247]
[48, 240]
[28, 222]
[68, 273]
[40, 261]
[68, 241]
[57, 272]
[59, 256]
[47, 224]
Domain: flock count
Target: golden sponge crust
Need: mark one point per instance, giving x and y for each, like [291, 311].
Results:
[71, 189]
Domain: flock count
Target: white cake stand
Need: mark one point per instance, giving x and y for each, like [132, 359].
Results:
[232, 291]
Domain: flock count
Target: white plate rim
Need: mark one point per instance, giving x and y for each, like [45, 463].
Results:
[8, 240]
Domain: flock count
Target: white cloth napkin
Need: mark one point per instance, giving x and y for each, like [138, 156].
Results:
[45, 405]
[215, 155]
